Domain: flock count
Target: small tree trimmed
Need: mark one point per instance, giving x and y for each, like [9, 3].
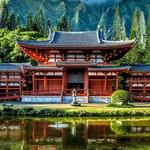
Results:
[121, 97]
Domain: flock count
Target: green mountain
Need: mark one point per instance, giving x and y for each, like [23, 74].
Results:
[82, 14]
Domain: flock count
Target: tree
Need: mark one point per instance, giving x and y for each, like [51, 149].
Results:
[147, 57]
[18, 21]
[102, 23]
[29, 24]
[142, 28]
[118, 29]
[137, 53]
[35, 27]
[9, 50]
[63, 25]
[12, 22]
[40, 22]
[4, 15]
[47, 27]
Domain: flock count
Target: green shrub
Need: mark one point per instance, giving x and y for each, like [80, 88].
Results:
[121, 106]
[120, 127]
[121, 97]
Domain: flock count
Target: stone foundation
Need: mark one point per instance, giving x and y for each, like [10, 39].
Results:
[66, 99]
[80, 99]
[41, 99]
[99, 99]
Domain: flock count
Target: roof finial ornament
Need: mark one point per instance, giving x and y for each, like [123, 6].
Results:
[49, 35]
[100, 34]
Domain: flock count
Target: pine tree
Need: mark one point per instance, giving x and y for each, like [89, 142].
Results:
[29, 24]
[18, 21]
[118, 29]
[47, 27]
[12, 21]
[137, 53]
[147, 57]
[135, 27]
[4, 16]
[35, 27]
[143, 28]
[63, 25]
[102, 23]
[40, 22]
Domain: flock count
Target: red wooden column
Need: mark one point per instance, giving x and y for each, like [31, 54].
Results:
[117, 81]
[86, 83]
[20, 87]
[63, 88]
[7, 78]
[33, 82]
[105, 85]
[144, 87]
[45, 84]
[130, 84]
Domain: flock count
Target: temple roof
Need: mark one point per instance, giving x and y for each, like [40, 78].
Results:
[21, 67]
[76, 39]
[13, 67]
[110, 68]
[140, 68]
[43, 68]
[77, 63]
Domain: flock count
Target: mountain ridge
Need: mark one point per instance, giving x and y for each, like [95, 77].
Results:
[82, 14]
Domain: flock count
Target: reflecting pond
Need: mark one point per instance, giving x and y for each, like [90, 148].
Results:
[75, 134]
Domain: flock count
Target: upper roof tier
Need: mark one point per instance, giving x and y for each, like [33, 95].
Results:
[87, 39]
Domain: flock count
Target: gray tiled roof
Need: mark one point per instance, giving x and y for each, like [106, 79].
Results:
[76, 39]
[43, 68]
[109, 68]
[140, 68]
[34, 43]
[90, 38]
[18, 67]
[77, 63]
[12, 67]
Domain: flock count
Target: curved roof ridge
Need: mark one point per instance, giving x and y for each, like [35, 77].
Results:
[52, 37]
[85, 38]
[98, 38]
[119, 41]
[75, 32]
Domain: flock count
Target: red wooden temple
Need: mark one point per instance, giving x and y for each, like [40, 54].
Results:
[69, 60]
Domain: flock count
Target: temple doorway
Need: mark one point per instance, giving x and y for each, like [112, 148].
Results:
[75, 78]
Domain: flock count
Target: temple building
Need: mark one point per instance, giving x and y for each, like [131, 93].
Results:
[72, 60]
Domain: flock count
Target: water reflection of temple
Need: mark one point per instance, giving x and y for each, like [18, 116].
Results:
[45, 135]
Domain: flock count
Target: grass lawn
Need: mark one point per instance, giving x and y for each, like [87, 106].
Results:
[82, 107]
[140, 109]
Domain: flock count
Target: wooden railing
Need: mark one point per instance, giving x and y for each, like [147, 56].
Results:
[68, 92]
[42, 93]
[10, 95]
[97, 92]
[56, 92]
[137, 80]
[80, 92]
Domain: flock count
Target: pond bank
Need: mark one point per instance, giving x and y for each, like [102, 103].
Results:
[65, 110]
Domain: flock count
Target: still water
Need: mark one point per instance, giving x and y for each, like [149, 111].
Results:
[75, 134]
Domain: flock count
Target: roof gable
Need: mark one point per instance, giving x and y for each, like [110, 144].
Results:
[76, 38]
